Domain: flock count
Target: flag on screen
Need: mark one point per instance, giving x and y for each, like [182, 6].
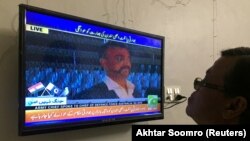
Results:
[54, 90]
[36, 88]
[65, 92]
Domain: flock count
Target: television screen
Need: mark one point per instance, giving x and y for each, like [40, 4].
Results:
[76, 73]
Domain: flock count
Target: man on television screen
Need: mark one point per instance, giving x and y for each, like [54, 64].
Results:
[115, 60]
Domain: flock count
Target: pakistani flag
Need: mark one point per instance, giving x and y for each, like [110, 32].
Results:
[53, 90]
[152, 101]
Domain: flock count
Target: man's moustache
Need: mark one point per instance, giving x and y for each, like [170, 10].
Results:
[122, 68]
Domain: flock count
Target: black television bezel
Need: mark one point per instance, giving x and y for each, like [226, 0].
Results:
[21, 69]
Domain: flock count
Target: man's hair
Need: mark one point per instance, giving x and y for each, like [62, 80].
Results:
[237, 80]
[111, 44]
[238, 51]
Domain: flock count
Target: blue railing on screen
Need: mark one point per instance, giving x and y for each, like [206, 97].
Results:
[78, 78]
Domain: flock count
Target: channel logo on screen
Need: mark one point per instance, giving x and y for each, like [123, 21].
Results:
[152, 101]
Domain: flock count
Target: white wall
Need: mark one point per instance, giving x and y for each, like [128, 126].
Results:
[195, 31]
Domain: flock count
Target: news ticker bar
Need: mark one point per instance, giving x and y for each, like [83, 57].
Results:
[85, 112]
[84, 105]
[198, 132]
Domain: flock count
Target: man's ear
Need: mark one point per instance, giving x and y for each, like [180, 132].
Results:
[103, 62]
[234, 107]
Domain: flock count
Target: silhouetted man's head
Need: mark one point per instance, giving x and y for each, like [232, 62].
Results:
[222, 97]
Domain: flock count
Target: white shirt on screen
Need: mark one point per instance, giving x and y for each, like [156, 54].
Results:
[119, 90]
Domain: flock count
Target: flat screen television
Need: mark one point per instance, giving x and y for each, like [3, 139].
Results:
[60, 62]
